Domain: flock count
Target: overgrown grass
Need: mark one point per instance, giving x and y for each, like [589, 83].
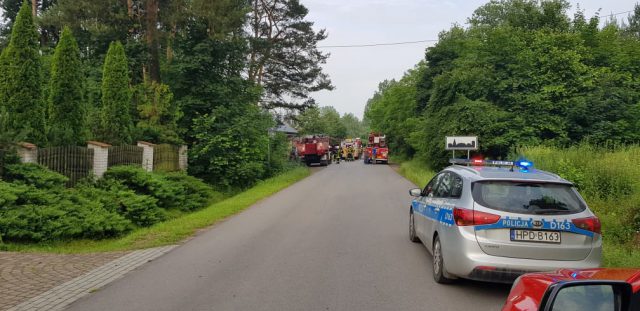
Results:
[416, 171]
[175, 230]
[609, 180]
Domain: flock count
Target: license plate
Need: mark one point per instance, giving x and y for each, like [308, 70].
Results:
[536, 236]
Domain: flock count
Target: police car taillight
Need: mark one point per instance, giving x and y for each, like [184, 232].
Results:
[590, 224]
[467, 217]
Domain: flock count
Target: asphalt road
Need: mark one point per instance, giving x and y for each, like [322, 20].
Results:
[334, 241]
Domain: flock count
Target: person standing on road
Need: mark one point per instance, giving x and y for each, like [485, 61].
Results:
[374, 152]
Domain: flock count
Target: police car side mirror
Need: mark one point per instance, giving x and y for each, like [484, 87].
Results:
[416, 192]
[588, 295]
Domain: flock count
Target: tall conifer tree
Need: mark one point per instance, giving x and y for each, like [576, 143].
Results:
[22, 82]
[66, 105]
[116, 97]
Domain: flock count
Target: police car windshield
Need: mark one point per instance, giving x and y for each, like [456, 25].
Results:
[527, 197]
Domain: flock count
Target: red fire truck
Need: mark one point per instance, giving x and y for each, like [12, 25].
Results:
[377, 141]
[314, 149]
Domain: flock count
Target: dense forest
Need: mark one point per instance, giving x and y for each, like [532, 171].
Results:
[520, 73]
[215, 75]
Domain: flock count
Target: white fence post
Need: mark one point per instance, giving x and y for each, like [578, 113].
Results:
[183, 157]
[28, 152]
[147, 155]
[100, 157]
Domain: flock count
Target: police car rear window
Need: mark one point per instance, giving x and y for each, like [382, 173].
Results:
[527, 197]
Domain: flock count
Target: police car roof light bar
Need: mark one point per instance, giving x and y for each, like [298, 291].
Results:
[524, 165]
[482, 162]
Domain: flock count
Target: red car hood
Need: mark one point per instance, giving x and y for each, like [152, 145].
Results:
[528, 291]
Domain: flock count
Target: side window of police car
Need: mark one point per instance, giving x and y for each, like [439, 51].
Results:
[443, 190]
[430, 187]
[456, 186]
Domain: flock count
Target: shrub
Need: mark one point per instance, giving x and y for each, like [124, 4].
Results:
[142, 210]
[31, 214]
[197, 194]
[35, 175]
[171, 190]
[143, 182]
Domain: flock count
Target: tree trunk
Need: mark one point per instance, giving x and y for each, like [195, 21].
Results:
[130, 8]
[152, 39]
[34, 8]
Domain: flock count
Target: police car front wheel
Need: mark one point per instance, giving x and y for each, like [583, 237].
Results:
[412, 228]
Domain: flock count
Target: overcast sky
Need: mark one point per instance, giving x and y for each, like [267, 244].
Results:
[356, 72]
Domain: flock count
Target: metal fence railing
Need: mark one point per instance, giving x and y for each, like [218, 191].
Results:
[125, 155]
[166, 158]
[74, 162]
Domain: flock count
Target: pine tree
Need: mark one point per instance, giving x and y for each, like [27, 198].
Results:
[66, 105]
[116, 97]
[22, 89]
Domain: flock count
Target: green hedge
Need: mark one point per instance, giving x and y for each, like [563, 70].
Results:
[31, 214]
[34, 174]
[172, 190]
[35, 206]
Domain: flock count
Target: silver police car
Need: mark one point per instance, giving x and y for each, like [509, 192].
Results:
[495, 220]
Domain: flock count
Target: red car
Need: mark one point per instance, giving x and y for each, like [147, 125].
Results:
[569, 290]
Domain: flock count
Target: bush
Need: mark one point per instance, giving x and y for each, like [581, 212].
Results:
[171, 190]
[36, 207]
[142, 210]
[196, 193]
[31, 214]
[35, 175]
[169, 195]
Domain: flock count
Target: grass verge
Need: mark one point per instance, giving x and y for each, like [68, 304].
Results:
[175, 230]
[416, 171]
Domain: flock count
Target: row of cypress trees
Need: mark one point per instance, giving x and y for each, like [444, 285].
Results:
[60, 119]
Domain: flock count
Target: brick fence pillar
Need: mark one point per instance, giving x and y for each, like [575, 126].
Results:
[147, 155]
[100, 157]
[183, 157]
[28, 152]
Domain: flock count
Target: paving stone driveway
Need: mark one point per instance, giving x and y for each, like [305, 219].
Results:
[26, 275]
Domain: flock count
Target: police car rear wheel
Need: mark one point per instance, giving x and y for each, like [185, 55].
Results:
[438, 263]
[412, 228]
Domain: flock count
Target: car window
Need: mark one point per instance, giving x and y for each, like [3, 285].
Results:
[590, 297]
[443, 189]
[456, 186]
[527, 197]
[430, 187]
